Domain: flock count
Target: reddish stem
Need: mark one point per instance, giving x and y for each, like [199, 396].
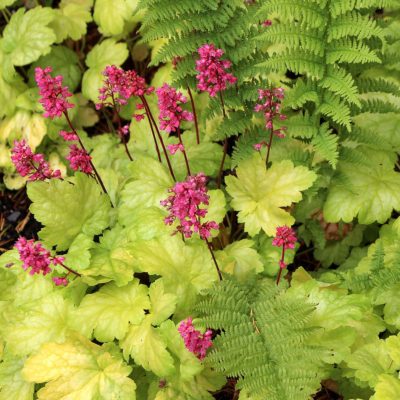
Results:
[120, 127]
[225, 150]
[153, 134]
[184, 152]
[194, 115]
[84, 149]
[280, 269]
[214, 259]
[70, 270]
[150, 115]
[271, 135]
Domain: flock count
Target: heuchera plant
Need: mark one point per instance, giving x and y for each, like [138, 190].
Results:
[216, 216]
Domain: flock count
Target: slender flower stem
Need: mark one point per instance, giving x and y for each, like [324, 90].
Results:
[214, 259]
[184, 152]
[83, 148]
[123, 139]
[196, 124]
[271, 135]
[154, 135]
[70, 270]
[225, 150]
[222, 104]
[280, 269]
[150, 115]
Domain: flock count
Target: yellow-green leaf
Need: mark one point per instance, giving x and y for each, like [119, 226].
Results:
[146, 346]
[79, 370]
[109, 311]
[12, 385]
[260, 194]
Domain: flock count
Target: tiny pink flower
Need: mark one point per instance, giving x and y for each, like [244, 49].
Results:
[195, 341]
[212, 71]
[79, 160]
[170, 105]
[173, 148]
[58, 260]
[124, 130]
[282, 264]
[60, 280]
[184, 206]
[53, 94]
[31, 165]
[68, 136]
[259, 146]
[285, 237]
[138, 117]
[266, 23]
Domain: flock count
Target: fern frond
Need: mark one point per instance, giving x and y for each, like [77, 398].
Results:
[243, 148]
[308, 12]
[302, 126]
[341, 83]
[339, 7]
[350, 51]
[264, 340]
[354, 24]
[326, 145]
[337, 110]
[295, 38]
[374, 105]
[366, 85]
[238, 122]
[298, 62]
[303, 91]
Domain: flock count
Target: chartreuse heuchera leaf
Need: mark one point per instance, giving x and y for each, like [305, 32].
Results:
[259, 194]
[12, 385]
[71, 19]
[79, 370]
[110, 17]
[67, 208]
[27, 36]
[111, 259]
[169, 257]
[370, 194]
[108, 52]
[109, 311]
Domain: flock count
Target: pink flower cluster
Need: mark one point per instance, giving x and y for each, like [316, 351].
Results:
[29, 164]
[53, 94]
[120, 85]
[35, 256]
[173, 148]
[212, 71]
[259, 146]
[266, 23]
[79, 160]
[60, 280]
[68, 136]
[170, 105]
[196, 342]
[286, 238]
[184, 205]
[271, 107]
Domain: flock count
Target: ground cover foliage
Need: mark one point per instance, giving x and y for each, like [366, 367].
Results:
[213, 194]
